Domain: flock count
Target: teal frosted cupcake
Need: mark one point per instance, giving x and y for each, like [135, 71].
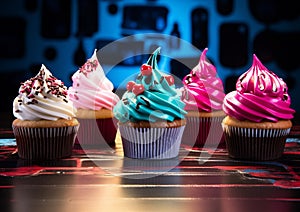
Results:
[151, 116]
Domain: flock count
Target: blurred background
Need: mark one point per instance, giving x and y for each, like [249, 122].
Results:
[62, 35]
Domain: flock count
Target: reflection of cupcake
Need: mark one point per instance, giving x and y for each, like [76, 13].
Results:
[203, 94]
[91, 93]
[258, 115]
[151, 115]
[45, 127]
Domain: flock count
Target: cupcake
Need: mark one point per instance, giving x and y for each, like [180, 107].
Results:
[203, 95]
[151, 115]
[258, 115]
[93, 97]
[45, 126]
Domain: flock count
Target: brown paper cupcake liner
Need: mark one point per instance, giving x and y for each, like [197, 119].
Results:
[45, 143]
[203, 131]
[255, 144]
[151, 143]
[96, 132]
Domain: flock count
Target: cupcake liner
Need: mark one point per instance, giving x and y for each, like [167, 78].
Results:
[203, 131]
[255, 144]
[96, 132]
[45, 143]
[151, 143]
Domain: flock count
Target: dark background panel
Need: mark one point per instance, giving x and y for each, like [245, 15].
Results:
[62, 34]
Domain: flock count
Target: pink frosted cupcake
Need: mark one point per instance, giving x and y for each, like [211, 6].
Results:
[203, 94]
[92, 95]
[45, 126]
[259, 116]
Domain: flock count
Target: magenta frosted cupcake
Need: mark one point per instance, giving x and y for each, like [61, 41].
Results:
[203, 95]
[45, 126]
[93, 97]
[258, 113]
[151, 115]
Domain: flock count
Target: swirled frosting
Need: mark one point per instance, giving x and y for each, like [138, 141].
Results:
[91, 89]
[202, 90]
[43, 97]
[151, 97]
[260, 95]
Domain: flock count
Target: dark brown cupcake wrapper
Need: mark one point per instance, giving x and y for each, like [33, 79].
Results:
[45, 143]
[96, 132]
[203, 131]
[255, 144]
[151, 143]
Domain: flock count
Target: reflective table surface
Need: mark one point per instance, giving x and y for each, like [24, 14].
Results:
[199, 179]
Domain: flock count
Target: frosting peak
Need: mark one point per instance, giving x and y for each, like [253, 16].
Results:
[151, 97]
[204, 69]
[91, 89]
[202, 89]
[260, 95]
[259, 81]
[43, 97]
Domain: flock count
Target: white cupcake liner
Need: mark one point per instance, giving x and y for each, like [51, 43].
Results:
[255, 144]
[151, 143]
[96, 132]
[45, 143]
[203, 131]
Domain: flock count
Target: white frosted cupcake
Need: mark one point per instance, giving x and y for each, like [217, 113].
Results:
[45, 126]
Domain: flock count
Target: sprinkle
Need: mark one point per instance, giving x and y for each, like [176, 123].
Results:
[30, 96]
[147, 102]
[161, 79]
[139, 77]
[148, 79]
[138, 106]
[125, 101]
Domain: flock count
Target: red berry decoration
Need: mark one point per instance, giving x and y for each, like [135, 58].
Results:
[170, 79]
[138, 89]
[130, 85]
[146, 70]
